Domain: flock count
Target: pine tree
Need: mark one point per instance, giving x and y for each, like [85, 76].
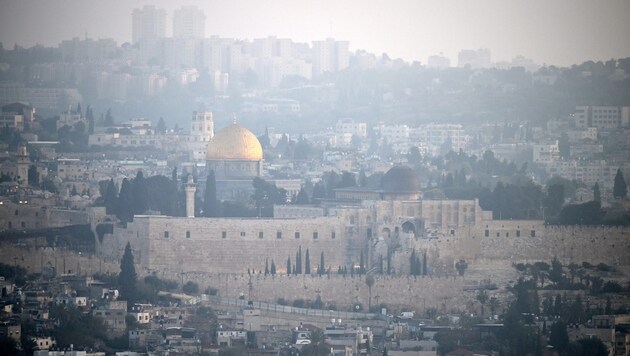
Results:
[210, 200]
[161, 126]
[127, 277]
[620, 190]
[307, 263]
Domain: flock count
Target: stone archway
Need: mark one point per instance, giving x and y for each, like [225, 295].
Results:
[409, 227]
[386, 232]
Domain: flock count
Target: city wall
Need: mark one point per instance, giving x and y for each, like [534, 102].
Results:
[232, 245]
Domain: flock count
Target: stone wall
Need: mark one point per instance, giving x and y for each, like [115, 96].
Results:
[416, 293]
[233, 245]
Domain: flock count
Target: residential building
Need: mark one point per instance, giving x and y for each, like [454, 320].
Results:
[189, 22]
[148, 23]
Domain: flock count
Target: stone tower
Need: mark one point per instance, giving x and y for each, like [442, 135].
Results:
[22, 165]
[191, 188]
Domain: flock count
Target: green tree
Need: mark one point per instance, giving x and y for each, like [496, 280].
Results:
[482, 297]
[109, 119]
[558, 337]
[140, 194]
[210, 208]
[369, 281]
[127, 279]
[111, 198]
[289, 265]
[302, 197]
[273, 268]
[190, 287]
[124, 209]
[307, 263]
[317, 347]
[161, 126]
[322, 266]
[620, 190]
[597, 195]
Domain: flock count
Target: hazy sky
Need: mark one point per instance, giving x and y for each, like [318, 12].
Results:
[560, 32]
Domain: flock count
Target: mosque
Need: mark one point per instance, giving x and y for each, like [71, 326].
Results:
[375, 223]
[236, 157]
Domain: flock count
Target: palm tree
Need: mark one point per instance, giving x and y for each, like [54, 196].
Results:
[317, 347]
[482, 297]
[494, 304]
[369, 280]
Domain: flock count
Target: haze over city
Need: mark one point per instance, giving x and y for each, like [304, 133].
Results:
[562, 32]
[315, 178]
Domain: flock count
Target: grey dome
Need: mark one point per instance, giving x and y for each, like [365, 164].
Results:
[400, 179]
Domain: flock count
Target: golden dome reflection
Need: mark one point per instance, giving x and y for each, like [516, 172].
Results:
[234, 143]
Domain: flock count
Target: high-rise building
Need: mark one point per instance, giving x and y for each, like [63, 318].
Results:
[330, 56]
[148, 23]
[189, 22]
[476, 59]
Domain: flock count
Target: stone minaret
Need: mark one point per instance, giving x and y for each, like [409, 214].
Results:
[191, 187]
[22, 165]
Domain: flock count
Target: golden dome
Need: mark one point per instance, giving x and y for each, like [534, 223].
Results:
[234, 143]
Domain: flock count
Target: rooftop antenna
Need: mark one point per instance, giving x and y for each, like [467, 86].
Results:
[234, 118]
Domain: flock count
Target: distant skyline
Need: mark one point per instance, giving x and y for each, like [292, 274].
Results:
[558, 32]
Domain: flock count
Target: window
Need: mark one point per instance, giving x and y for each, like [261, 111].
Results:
[315, 235]
[487, 233]
[165, 234]
[260, 235]
[279, 235]
[507, 234]
[533, 233]
[297, 234]
[16, 212]
[332, 235]
[187, 234]
[224, 234]
[518, 233]
[242, 233]
[452, 232]
[498, 234]
[23, 224]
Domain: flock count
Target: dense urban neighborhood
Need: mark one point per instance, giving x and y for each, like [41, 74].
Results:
[202, 195]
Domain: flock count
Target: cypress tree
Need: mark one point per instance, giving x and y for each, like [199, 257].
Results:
[298, 261]
[140, 194]
[210, 199]
[124, 210]
[266, 266]
[111, 198]
[412, 263]
[307, 263]
[620, 190]
[361, 264]
[424, 263]
[597, 195]
[322, 265]
[127, 277]
[273, 267]
[289, 265]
